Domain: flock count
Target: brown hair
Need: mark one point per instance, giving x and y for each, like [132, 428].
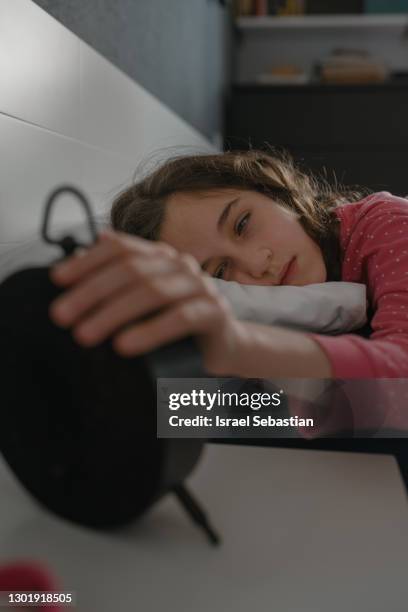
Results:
[140, 208]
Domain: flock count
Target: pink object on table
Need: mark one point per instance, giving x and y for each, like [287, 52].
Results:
[28, 576]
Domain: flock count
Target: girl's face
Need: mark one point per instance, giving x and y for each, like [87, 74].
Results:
[243, 236]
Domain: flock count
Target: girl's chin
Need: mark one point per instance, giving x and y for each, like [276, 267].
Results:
[300, 278]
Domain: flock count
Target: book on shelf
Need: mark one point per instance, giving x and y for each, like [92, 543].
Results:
[260, 8]
[243, 8]
[334, 7]
[286, 7]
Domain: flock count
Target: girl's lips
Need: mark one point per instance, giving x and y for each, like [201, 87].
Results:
[288, 271]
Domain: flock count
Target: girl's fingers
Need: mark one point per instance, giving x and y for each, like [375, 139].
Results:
[81, 264]
[195, 316]
[133, 304]
[105, 283]
[124, 278]
[110, 245]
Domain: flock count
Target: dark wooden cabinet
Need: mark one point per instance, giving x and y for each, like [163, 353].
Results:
[357, 133]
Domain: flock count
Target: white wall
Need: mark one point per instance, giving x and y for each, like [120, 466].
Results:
[68, 115]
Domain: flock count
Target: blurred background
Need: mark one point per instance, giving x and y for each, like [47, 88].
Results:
[327, 80]
[301, 530]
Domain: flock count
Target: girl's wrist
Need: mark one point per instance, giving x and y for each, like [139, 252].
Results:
[232, 350]
[261, 351]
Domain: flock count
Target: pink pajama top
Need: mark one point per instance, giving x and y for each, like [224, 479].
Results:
[374, 243]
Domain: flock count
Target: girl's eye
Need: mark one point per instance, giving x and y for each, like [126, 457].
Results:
[241, 225]
[220, 271]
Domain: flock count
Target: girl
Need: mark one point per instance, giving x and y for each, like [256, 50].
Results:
[254, 218]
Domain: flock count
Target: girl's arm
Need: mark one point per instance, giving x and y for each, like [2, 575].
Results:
[114, 285]
[376, 253]
[276, 352]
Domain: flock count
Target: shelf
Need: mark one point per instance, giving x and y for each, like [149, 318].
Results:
[380, 21]
[313, 86]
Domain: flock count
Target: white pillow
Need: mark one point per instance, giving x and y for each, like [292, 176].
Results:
[329, 308]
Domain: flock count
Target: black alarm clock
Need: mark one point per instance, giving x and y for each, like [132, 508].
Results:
[78, 425]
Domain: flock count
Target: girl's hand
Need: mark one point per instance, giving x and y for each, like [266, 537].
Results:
[114, 285]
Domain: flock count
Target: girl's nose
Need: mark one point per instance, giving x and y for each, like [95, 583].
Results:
[250, 268]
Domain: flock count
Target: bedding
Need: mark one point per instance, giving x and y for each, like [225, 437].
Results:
[328, 308]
